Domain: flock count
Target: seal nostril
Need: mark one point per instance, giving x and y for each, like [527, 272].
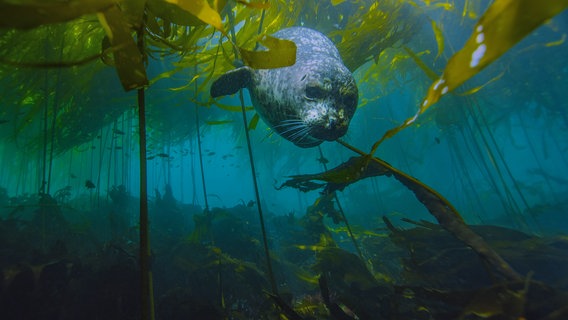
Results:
[332, 123]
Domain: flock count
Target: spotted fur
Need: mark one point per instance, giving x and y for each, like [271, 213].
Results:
[306, 103]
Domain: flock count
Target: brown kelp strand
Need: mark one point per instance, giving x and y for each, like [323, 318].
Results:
[365, 166]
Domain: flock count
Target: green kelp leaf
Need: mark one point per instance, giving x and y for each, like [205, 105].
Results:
[218, 122]
[281, 53]
[202, 10]
[420, 63]
[336, 2]
[227, 107]
[504, 24]
[32, 14]
[172, 12]
[127, 59]
[133, 10]
[355, 169]
[253, 122]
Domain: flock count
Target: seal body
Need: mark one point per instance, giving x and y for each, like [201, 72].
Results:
[307, 103]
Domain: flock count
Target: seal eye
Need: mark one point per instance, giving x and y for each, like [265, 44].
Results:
[349, 100]
[314, 93]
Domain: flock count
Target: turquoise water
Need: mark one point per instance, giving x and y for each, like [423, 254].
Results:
[495, 149]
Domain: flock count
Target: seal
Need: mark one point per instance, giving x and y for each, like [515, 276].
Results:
[307, 103]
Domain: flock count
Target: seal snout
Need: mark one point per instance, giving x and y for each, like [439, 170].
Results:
[330, 127]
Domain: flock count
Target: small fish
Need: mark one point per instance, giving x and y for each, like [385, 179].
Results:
[251, 204]
[89, 184]
[73, 176]
[437, 140]
[163, 155]
[118, 148]
[2, 121]
[227, 156]
[212, 153]
[116, 131]
[323, 160]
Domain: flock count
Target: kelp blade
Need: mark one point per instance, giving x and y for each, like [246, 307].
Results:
[504, 24]
[202, 10]
[281, 53]
[127, 58]
[254, 5]
[427, 70]
[439, 38]
[172, 12]
[253, 122]
[351, 171]
[34, 14]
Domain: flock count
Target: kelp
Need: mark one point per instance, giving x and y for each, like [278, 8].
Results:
[357, 294]
[280, 53]
[378, 26]
[202, 10]
[358, 168]
[186, 30]
[351, 171]
[504, 24]
[177, 30]
[439, 37]
[128, 60]
[33, 14]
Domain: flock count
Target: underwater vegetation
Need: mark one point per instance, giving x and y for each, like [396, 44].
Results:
[103, 101]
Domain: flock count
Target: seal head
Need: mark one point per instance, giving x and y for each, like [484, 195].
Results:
[307, 103]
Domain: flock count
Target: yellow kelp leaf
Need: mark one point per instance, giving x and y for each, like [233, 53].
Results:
[231, 108]
[253, 122]
[202, 10]
[439, 38]
[556, 43]
[476, 89]
[281, 53]
[36, 13]
[445, 5]
[168, 74]
[504, 24]
[254, 5]
[127, 59]
[336, 2]
[470, 9]
[427, 70]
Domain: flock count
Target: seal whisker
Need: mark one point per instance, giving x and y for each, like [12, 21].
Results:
[285, 123]
[291, 127]
[296, 125]
[300, 134]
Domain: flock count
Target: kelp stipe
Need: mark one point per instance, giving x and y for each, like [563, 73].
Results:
[355, 243]
[366, 165]
[199, 150]
[146, 286]
[490, 143]
[446, 215]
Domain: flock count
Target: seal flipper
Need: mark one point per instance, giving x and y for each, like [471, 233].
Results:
[231, 82]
